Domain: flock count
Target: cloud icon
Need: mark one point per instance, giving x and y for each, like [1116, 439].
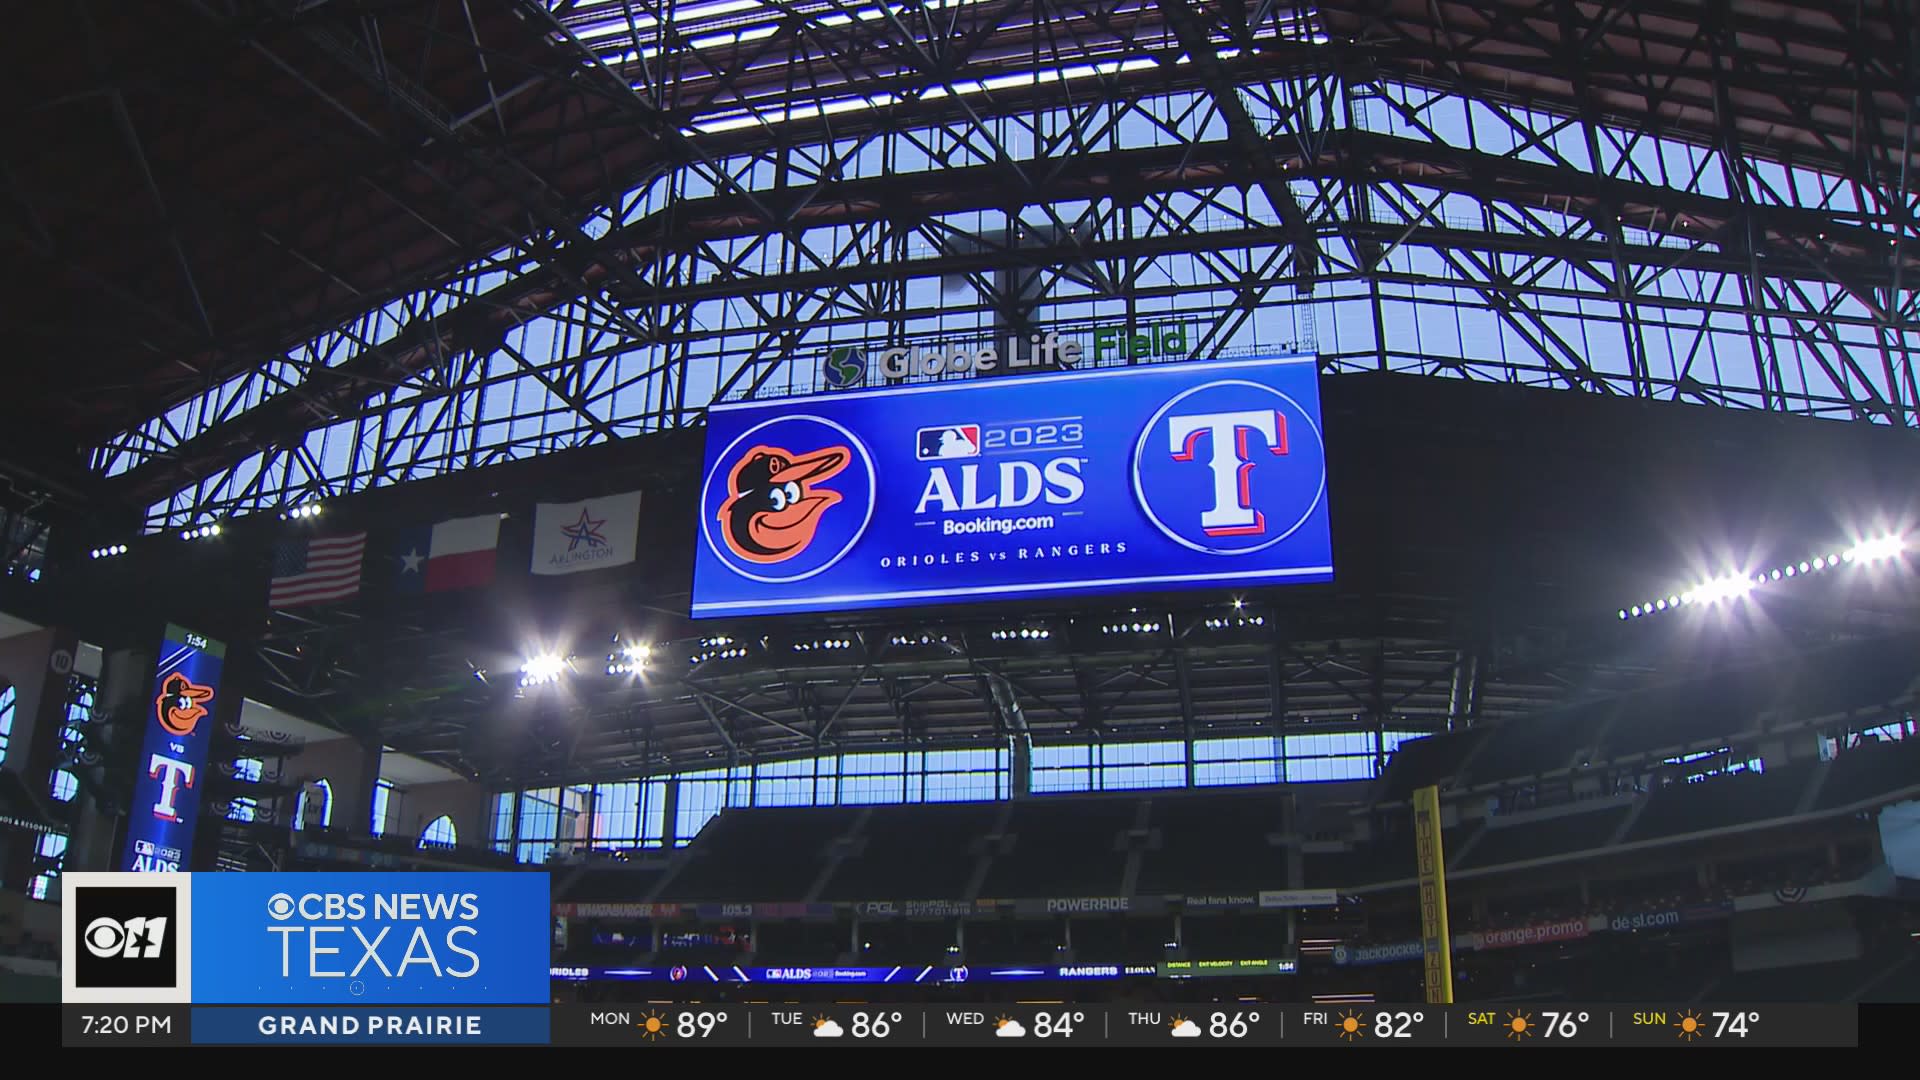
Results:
[1186, 1029]
[1010, 1029]
[828, 1029]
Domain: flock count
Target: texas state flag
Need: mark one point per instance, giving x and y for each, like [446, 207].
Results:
[457, 554]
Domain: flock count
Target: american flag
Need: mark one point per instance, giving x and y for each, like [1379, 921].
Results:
[316, 570]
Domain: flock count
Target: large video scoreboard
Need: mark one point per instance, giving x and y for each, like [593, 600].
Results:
[1137, 479]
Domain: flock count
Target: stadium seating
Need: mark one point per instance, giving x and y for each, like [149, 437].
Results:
[607, 885]
[1840, 980]
[1420, 763]
[1560, 835]
[1535, 745]
[1214, 843]
[759, 855]
[1721, 801]
[1066, 847]
[914, 853]
[1387, 858]
[1902, 984]
[1871, 768]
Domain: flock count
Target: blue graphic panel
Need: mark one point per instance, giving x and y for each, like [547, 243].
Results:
[371, 939]
[413, 1026]
[1148, 478]
[927, 974]
[173, 754]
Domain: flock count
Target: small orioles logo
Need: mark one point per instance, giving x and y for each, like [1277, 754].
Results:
[774, 505]
[181, 704]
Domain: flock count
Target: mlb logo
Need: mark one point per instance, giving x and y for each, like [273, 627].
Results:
[952, 441]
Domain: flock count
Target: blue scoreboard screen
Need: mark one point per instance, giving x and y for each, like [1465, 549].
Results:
[1173, 476]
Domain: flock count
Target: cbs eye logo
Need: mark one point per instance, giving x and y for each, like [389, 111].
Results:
[138, 938]
[280, 907]
[127, 936]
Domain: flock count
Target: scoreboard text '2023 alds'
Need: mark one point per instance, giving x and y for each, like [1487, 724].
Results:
[1130, 479]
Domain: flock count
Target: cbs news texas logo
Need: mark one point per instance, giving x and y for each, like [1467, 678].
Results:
[350, 937]
[125, 938]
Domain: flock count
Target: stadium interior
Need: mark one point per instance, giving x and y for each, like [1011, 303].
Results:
[1613, 309]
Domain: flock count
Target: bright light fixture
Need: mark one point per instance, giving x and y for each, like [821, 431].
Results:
[545, 668]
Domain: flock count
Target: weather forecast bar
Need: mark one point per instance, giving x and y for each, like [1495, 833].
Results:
[1237, 1024]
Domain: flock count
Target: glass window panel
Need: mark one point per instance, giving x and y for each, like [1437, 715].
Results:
[439, 833]
[382, 798]
[7, 696]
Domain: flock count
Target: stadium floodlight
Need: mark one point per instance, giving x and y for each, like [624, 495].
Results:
[1877, 548]
[544, 668]
[1735, 586]
[631, 657]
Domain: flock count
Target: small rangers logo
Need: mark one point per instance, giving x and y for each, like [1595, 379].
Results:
[1215, 469]
[952, 441]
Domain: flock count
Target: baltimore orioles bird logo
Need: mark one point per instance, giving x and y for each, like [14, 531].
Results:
[181, 704]
[774, 507]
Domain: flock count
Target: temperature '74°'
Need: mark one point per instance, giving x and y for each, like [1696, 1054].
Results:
[1733, 1023]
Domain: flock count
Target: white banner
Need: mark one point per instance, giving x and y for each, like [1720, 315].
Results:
[592, 534]
[1272, 898]
[1900, 838]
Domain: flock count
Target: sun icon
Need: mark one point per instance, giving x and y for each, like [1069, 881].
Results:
[653, 1026]
[1001, 1021]
[1689, 1026]
[1519, 1026]
[1175, 1023]
[1349, 1026]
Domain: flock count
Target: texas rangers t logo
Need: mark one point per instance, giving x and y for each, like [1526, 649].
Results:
[1214, 470]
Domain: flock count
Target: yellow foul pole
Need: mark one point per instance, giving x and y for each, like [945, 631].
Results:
[1431, 862]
